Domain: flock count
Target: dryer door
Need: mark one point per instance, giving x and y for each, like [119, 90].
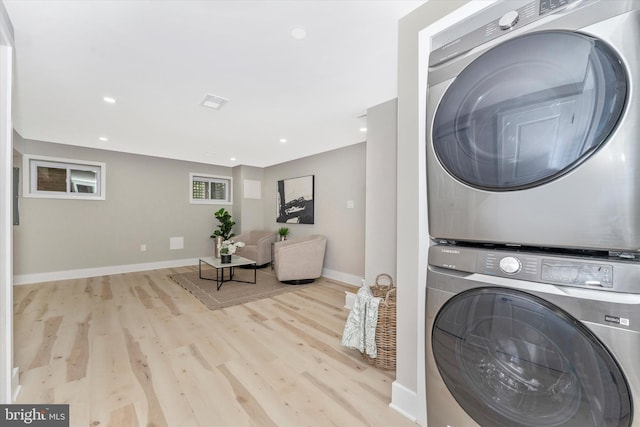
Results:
[513, 359]
[529, 110]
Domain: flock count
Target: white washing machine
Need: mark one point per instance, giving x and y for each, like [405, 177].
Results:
[532, 126]
[516, 338]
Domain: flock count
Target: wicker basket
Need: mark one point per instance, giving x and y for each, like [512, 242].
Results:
[386, 326]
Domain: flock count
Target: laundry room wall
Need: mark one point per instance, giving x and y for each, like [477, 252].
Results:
[408, 393]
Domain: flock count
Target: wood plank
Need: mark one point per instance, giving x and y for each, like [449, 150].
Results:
[140, 367]
[144, 297]
[124, 416]
[112, 382]
[195, 377]
[24, 302]
[164, 296]
[107, 293]
[49, 336]
[251, 406]
[79, 357]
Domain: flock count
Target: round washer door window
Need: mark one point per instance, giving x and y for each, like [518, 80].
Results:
[512, 359]
[529, 110]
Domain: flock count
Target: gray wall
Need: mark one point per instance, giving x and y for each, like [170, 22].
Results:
[339, 177]
[413, 239]
[147, 201]
[248, 213]
[380, 237]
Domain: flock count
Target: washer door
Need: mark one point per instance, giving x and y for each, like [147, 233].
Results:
[513, 359]
[529, 110]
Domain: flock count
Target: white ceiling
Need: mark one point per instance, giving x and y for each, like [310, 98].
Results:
[159, 58]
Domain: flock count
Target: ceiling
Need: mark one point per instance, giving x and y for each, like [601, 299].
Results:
[159, 59]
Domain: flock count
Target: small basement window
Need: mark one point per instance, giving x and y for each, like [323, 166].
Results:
[210, 189]
[55, 178]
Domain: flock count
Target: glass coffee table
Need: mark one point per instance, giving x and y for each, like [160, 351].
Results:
[236, 261]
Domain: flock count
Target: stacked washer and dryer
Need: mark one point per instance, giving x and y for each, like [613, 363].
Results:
[533, 169]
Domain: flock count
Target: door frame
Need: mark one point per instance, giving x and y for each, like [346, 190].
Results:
[8, 375]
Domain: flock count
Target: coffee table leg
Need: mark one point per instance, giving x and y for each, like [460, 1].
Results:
[219, 280]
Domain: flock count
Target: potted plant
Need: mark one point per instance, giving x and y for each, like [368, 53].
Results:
[227, 249]
[224, 229]
[283, 232]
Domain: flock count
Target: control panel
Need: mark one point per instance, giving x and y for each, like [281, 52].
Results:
[548, 270]
[577, 273]
[509, 20]
[547, 6]
[540, 266]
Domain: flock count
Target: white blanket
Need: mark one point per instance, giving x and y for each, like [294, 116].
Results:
[360, 329]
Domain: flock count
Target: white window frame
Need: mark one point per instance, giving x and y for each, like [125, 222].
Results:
[211, 178]
[30, 165]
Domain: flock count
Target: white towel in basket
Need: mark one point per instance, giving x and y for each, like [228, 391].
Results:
[360, 329]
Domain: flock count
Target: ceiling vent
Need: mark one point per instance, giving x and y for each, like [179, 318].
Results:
[213, 101]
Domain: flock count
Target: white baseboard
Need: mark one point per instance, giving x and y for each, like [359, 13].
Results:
[25, 279]
[349, 279]
[404, 401]
[349, 299]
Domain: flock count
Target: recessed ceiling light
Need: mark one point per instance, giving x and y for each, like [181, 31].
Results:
[363, 129]
[213, 101]
[103, 138]
[233, 159]
[283, 140]
[109, 100]
[299, 33]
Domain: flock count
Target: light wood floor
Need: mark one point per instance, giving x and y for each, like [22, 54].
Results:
[138, 350]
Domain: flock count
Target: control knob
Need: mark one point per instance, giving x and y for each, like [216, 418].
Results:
[508, 20]
[510, 265]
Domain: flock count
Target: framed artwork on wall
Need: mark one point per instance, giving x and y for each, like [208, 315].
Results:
[295, 200]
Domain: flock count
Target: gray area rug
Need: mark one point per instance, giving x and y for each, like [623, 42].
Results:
[233, 293]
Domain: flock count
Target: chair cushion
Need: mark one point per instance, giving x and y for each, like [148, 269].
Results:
[300, 259]
[257, 245]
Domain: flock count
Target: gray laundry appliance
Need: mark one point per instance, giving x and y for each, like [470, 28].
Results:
[524, 338]
[532, 126]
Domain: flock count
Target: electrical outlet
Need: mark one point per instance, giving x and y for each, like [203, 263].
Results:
[143, 247]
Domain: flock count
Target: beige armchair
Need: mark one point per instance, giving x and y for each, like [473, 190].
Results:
[257, 246]
[299, 261]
